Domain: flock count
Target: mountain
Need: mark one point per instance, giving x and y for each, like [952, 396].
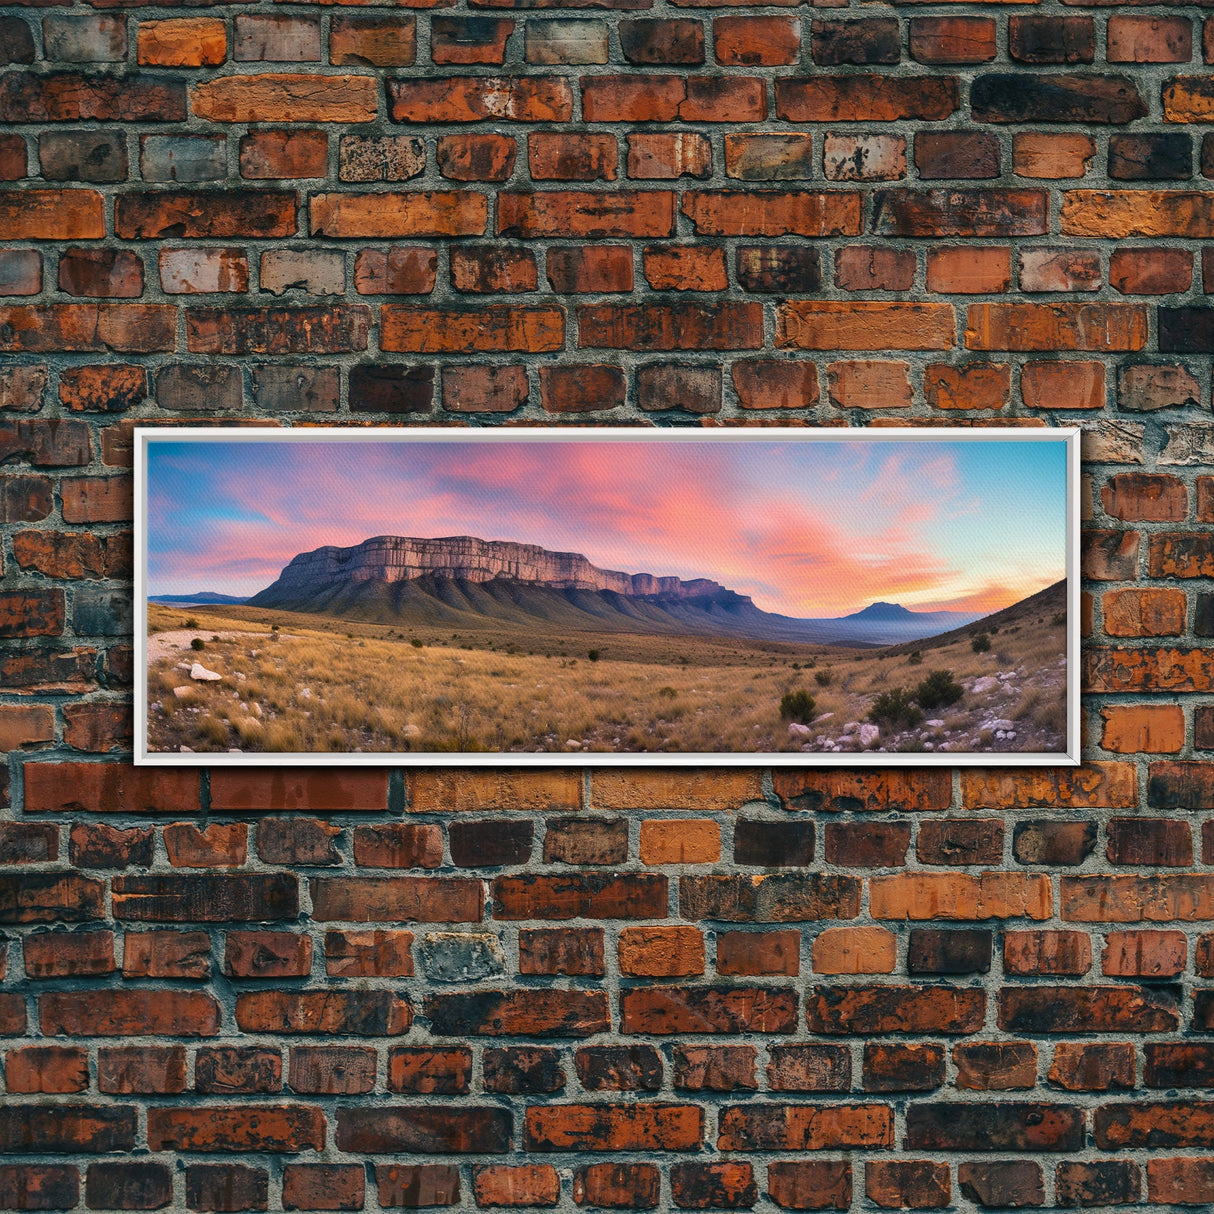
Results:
[462, 581]
[203, 596]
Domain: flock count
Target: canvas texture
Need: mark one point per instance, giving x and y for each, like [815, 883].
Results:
[344, 989]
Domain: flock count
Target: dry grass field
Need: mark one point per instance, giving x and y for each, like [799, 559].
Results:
[291, 682]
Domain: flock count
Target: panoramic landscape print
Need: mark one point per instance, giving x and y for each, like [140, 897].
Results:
[800, 594]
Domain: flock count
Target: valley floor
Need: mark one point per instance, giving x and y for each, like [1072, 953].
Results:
[311, 684]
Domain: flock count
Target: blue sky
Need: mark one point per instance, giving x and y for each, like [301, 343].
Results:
[807, 528]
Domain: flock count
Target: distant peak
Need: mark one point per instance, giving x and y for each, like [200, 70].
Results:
[882, 611]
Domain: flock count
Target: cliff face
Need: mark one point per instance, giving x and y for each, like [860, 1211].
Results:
[396, 558]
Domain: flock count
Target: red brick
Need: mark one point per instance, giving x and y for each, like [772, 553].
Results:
[109, 788]
[182, 42]
[243, 790]
[756, 41]
[265, 954]
[804, 1127]
[166, 954]
[869, 384]
[60, 954]
[127, 1013]
[1151, 271]
[972, 386]
[772, 213]
[667, 156]
[414, 1185]
[469, 40]
[874, 268]
[317, 1186]
[1063, 385]
[775, 385]
[500, 1185]
[1179, 1181]
[557, 156]
[753, 954]
[1143, 728]
[613, 1127]
[1149, 39]
[1135, 612]
[476, 157]
[479, 99]
[198, 214]
[894, 1009]
[49, 1069]
[219, 845]
[678, 326]
[493, 268]
[810, 1185]
[966, 270]
[105, 327]
[685, 268]
[581, 388]
[575, 951]
[1136, 954]
[430, 1071]
[619, 1186]
[809, 1068]
[865, 97]
[900, 1184]
[284, 154]
[502, 327]
[938, 40]
[366, 954]
[399, 270]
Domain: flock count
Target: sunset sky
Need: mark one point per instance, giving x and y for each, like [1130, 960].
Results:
[810, 529]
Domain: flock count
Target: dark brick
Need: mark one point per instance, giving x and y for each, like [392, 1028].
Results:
[490, 843]
[843, 42]
[959, 951]
[1150, 157]
[391, 388]
[522, 1070]
[779, 269]
[1006, 97]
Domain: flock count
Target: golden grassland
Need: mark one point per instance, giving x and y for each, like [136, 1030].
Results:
[322, 684]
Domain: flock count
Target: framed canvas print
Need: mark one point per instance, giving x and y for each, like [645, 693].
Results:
[607, 596]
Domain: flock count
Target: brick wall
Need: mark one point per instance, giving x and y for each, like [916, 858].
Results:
[683, 989]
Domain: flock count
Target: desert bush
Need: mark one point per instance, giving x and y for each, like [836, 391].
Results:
[1058, 619]
[191, 622]
[797, 706]
[416, 643]
[823, 677]
[980, 643]
[595, 654]
[915, 658]
[198, 643]
[895, 707]
[938, 690]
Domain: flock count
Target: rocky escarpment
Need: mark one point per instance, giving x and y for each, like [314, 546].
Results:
[395, 558]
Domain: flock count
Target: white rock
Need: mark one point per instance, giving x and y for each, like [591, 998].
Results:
[412, 731]
[935, 724]
[851, 727]
[826, 716]
[1002, 725]
[186, 750]
[572, 744]
[256, 709]
[200, 672]
[989, 683]
[182, 692]
[798, 730]
[869, 734]
[929, 746]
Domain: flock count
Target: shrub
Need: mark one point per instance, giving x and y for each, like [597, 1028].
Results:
[273, 627]
[980, 643]
[191, 622]
[823, 677]
[595, 654]
[916, 658]
[416, 643]
[797, 706]
[895, 707]
[1059, 619]
[939, 690]
[198, 643]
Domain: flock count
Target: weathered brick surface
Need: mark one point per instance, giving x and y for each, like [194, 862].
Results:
[662, 989]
